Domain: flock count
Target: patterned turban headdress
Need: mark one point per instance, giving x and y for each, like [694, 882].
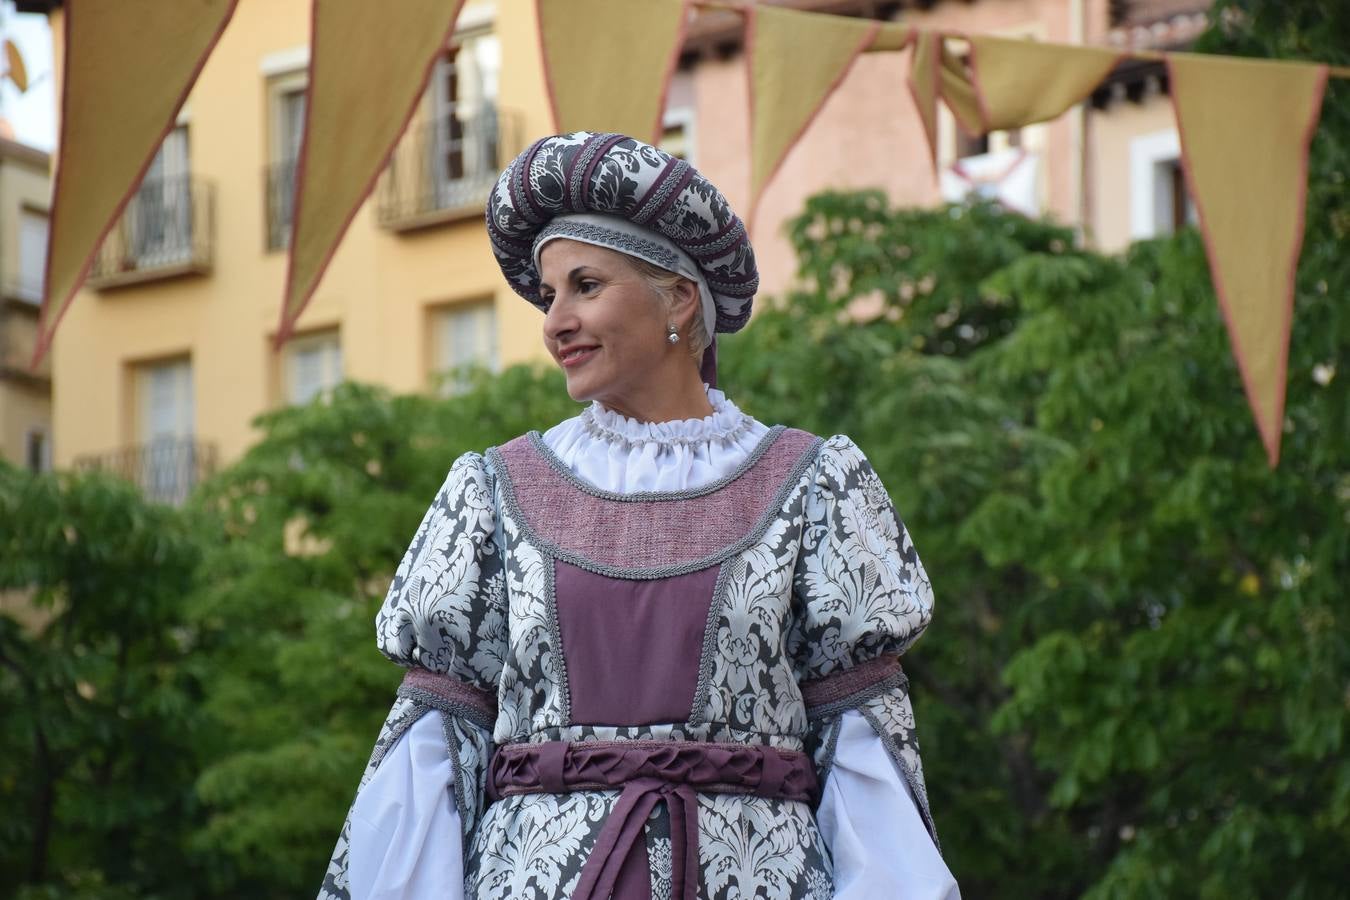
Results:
[615, 191]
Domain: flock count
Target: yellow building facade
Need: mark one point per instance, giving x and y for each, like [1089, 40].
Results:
[165, 357]
[25, 395]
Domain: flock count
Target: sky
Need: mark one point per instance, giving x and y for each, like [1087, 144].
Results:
[33, 114]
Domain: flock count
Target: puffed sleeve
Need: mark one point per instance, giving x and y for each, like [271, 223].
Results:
[861, 598]
[444, 619]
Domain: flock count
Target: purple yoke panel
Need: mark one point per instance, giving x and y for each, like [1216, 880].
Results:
[632, 648]
[640, 534]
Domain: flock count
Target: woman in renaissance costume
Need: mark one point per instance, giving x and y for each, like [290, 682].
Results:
[652, 652]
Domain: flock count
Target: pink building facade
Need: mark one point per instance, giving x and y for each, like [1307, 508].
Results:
[1107, 168]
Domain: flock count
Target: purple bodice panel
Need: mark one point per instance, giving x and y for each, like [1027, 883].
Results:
[632, 647]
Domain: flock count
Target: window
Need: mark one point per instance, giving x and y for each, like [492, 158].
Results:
[463, 111]
[160, 216]
[32, 254]
[447, 162]
[1159, 201]
[968, 145]
[1178, 210]
[313, 366]
[287, 128]
[164, 391]
[37, 454]
[464, 335]
[677, 134]
[166, 424]
[1002, 166]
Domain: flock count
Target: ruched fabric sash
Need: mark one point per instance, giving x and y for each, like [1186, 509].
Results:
[649, 772]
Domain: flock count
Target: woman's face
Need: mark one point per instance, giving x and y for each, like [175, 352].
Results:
[605, 326]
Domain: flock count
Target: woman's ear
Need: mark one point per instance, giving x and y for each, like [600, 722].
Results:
[684, 303]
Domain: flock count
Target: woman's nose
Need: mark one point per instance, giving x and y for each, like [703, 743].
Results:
[558, 321]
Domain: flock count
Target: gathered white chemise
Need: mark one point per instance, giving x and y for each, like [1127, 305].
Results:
[406, 839]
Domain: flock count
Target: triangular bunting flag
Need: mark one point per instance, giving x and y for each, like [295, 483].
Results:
[610, 91]
[796, 60]
[1019, 83]
[129, 65]
[935, 71]
[925, 83]
[1245, 128]
[958, 91]
[891, 37]
[371, 60]
[14, 67]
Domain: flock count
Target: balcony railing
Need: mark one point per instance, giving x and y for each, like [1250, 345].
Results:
[166, 229]
[444, 168]
[279, 190]
[166, 470]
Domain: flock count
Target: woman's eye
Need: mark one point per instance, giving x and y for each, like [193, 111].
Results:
[588, 286]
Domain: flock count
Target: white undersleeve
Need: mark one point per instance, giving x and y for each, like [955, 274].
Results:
[872, 826]
[405, 841]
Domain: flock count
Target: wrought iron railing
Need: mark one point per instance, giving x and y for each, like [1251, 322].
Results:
[166, 469]
[166, 228]
[444, 166]
[279, 193]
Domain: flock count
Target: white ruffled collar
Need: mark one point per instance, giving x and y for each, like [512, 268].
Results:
[727, 423]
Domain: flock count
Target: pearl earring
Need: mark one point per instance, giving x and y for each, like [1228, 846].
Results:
[674, 336]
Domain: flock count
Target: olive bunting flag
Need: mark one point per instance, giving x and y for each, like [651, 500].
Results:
[130, 64]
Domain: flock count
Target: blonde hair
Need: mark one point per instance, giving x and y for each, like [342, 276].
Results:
[663, 283]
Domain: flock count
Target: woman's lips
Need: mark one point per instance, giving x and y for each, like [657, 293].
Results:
[576, 357]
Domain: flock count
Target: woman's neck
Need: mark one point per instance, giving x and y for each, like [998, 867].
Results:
[686, 399]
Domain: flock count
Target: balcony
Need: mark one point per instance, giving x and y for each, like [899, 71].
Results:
[166, 470]
[165, 230]
[444, 168]
[279, 193]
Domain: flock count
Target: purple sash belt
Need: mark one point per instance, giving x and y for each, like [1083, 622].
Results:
[649, 772]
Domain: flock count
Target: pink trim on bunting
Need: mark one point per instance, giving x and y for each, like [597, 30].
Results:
[549, 90]
[975, 81]
[1270, 440]
[680, 33]
[47, 335]
[671, 63]
[931, 138]
[750, 29]
[286, 327]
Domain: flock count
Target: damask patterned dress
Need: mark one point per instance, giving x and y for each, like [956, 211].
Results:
[642, 693]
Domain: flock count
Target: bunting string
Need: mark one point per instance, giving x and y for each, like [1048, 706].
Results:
[118, 104]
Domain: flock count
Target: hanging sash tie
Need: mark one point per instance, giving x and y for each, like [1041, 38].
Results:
[649, 772]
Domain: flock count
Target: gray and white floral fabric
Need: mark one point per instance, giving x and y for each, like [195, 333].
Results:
[828, 582]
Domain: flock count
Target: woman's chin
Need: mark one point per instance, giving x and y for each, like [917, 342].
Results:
[579, 387]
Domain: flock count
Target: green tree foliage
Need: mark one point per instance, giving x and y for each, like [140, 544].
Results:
[1136, 683]
[98, 697]
[309, 527]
